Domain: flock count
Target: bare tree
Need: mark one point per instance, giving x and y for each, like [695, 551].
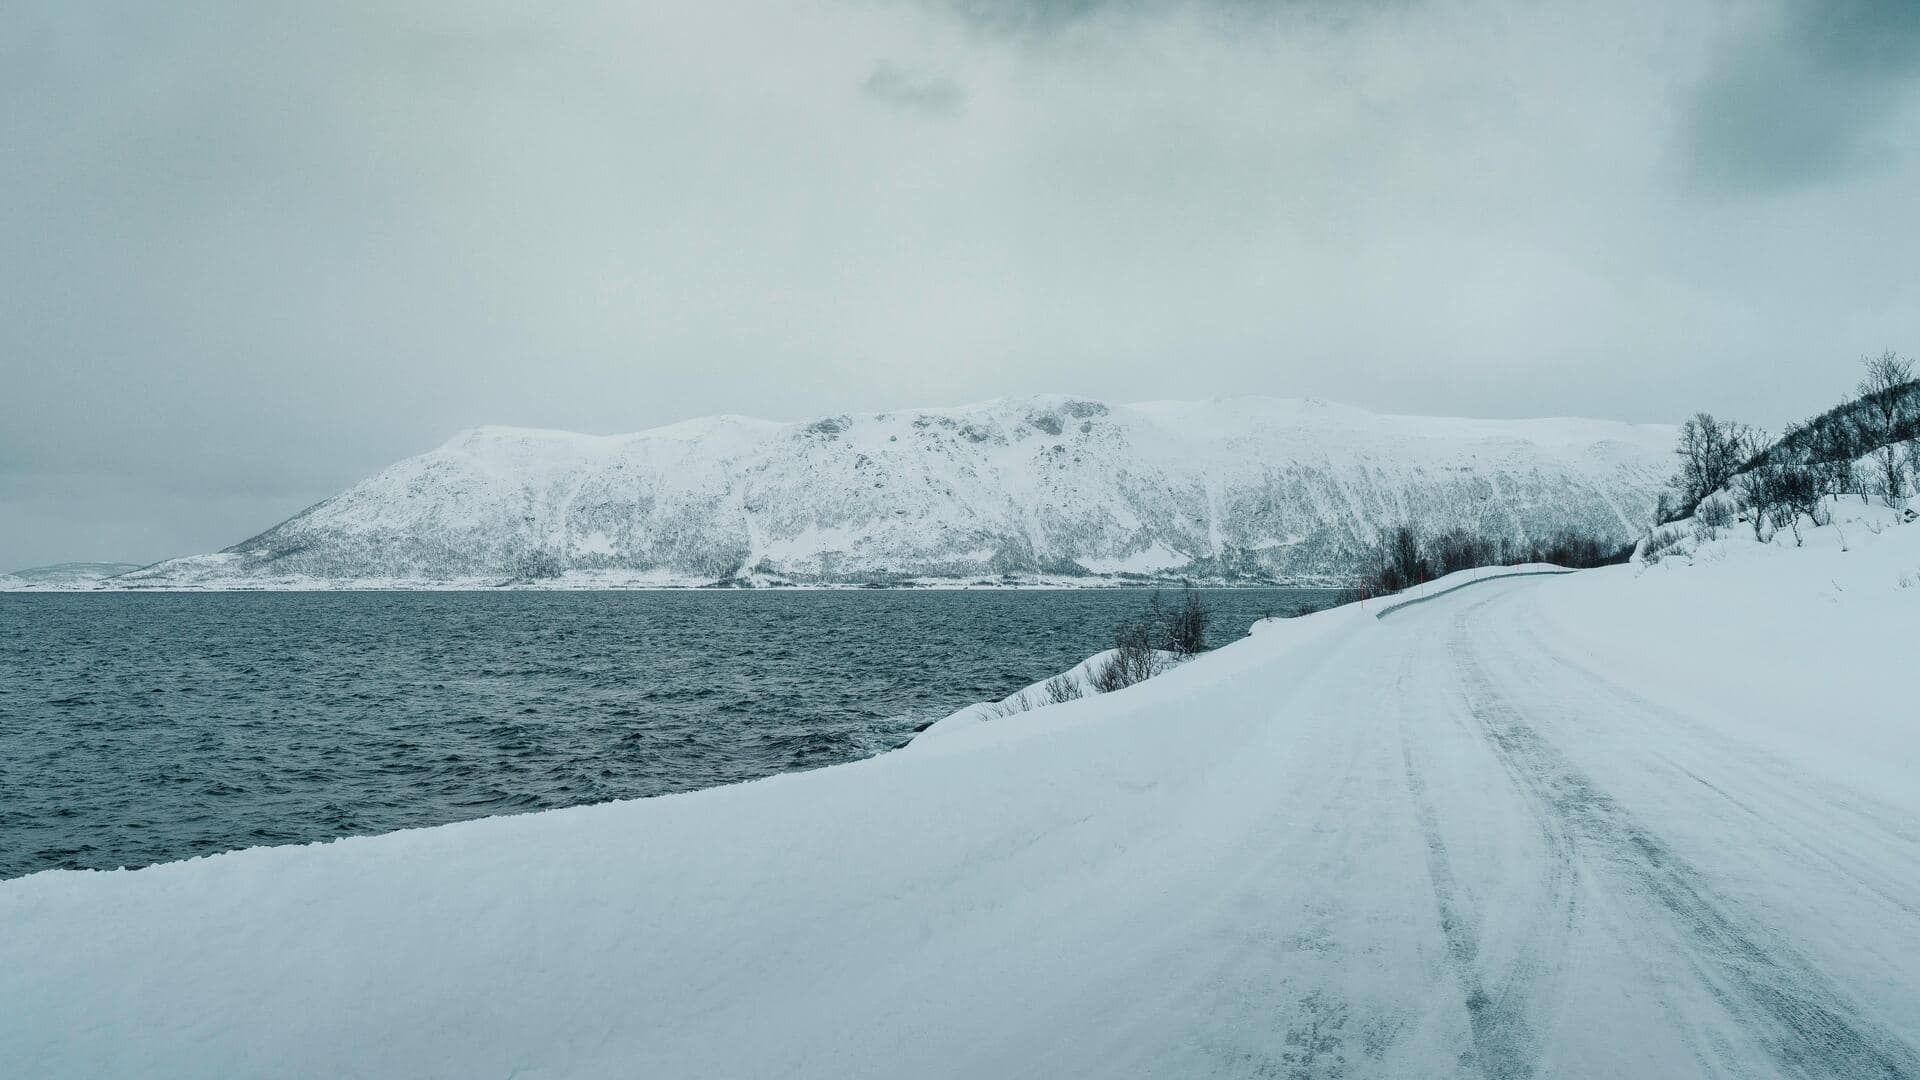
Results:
[1888, 402]
[538, 565]
[1397, 561]
[1664, 511]
[1796, 491]
[1756, 501]
[1461, 549]
[1711, 451]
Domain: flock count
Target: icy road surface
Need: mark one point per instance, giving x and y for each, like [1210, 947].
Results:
[1486, 836]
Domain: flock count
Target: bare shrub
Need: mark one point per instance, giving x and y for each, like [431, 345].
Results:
[1714, 514]
[1660, 544]
[1133, 660]
[1797, 491]
[1576, 550]
[1184, 628]
[1060, 689]
[1459, 549]
[1402, 560]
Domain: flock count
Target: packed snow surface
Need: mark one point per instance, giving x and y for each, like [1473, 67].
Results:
[1646, 821]
[1034, 489]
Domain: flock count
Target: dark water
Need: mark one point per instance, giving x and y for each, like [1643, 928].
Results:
[139, 728]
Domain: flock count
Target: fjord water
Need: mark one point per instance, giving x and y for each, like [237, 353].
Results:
[140, 727]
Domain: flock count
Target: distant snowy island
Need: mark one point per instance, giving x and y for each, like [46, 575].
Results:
[1029, 491]
[64, 575]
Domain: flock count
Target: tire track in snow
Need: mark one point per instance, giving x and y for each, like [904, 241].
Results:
[1889, 835]
[1504, 1043]
[1862, 808]
[1501, 1007]
[1792, 1011]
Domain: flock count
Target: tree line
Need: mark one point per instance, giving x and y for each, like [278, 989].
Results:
[1868, 446]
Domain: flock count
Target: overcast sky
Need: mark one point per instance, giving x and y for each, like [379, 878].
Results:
[253, 252]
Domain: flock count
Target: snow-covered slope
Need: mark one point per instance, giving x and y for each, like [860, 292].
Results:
[1072, 490]
[64, 575]
[1638, 822]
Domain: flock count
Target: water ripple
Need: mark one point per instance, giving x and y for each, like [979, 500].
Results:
[139, 727]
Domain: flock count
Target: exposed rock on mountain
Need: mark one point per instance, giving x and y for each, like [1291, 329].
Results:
[1041, 488]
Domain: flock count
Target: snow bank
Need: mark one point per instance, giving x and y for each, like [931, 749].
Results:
[1077, 683]
[1070, 685]
[1807, 648]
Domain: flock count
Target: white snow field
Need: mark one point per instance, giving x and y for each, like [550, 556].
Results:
[1647, 821]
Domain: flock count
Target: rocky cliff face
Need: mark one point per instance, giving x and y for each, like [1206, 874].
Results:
[1242, 489]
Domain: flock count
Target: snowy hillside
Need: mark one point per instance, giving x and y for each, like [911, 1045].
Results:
[1055, 488]
[1642, 821]
[64, 575]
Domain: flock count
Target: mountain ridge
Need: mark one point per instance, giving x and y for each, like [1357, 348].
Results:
[1048, 487]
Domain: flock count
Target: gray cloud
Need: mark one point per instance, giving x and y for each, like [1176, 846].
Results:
[1050, 16]
[251, 253]
[1818, 91]
[915, 91]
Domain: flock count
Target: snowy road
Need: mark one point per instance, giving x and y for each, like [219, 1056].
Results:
[1625, 906]
[1457, 841]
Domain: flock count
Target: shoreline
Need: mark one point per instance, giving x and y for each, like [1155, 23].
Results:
[479, 587]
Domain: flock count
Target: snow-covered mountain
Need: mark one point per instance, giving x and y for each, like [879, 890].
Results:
[1049, 488]
[64, 575]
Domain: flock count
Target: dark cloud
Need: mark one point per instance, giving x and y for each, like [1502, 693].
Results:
[1046, 16]
[1039, 14]
[1818, 92]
